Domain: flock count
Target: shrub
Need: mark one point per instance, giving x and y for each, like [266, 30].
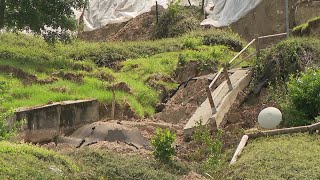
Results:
[177, 20]
[162, 142]
[191, 42]
[302, 104]
[207, 147]
[290, 56]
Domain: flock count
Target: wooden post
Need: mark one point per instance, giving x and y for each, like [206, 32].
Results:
[113, 108]
[257, 45]
[240, 147]
[202, 7]
[209, 95]
[226, 74]
[287, 17]
[157, 12]
[189, 3]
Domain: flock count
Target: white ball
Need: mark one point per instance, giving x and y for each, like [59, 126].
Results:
[270, 118]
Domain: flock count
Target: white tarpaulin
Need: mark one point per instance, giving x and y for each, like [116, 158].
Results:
[224, 12]
[102, 12]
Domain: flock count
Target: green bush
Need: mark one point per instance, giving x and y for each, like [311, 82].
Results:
[290, 56]
[177, 20]
[207, 147]
[191, 42]
[304, 97]
[162, 142]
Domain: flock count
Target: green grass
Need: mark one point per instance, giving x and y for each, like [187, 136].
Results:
[305, 28]
[138, 61]
[99, 164]
[293, 156]
[22, 161]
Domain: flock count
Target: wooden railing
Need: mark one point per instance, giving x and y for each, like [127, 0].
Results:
[224, 70]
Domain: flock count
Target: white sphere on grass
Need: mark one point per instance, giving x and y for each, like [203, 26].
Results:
[270, 118]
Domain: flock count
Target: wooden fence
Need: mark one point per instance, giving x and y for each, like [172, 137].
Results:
[224, 70]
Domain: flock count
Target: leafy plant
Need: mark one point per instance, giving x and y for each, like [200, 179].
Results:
[303, 98]
[176, 20]
[6, 130]
[162, 142]
[207, 147]
[191, 42]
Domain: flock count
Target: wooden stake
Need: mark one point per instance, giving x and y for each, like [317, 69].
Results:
[240, 147]
[189, 3]
[257, 45]
[226, 74]
[202, 7]
[209, 95]
[113, 104]
[157, 12]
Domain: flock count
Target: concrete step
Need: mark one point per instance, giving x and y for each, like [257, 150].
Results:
[223, 100]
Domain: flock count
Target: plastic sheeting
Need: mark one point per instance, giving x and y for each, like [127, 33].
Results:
[103, 12]
[224, 12]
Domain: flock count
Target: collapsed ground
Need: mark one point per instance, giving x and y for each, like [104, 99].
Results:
[153, 80]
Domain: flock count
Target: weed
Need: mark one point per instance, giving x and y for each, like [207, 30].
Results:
[208, 148]
[162, 142]
[302, 104]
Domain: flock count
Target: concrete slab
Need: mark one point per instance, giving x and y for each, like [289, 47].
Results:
[45, 122]
[223, 100]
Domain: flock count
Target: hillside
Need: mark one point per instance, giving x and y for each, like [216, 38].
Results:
[142, 73]
[159, 84]
[281, 157]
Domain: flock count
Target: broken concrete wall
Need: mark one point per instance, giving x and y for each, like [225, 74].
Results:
[45, 122]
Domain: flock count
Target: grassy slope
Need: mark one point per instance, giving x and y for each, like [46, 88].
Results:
[281, 157]
[140, 60]
[21, 161]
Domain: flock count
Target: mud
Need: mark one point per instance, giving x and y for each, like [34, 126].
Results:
[26, 77]
[244, 114]
[74, 77]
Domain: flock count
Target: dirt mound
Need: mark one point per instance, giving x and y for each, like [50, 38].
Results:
[25, 77]
[182, 105]
[101, 34]
[243, 115]
[139, 28]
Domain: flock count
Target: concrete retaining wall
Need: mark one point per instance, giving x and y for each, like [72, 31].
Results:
[43, 123]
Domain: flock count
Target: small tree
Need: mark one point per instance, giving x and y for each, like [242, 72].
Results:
[36, 15]
[162, 142]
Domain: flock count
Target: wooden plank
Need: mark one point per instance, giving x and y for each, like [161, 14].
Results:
[113, 108]
[245, 48]
[209, 95]
[215, 79]
[226, 75]
[272, 35]
[274, 132]
[239, 149]
[246, 58]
